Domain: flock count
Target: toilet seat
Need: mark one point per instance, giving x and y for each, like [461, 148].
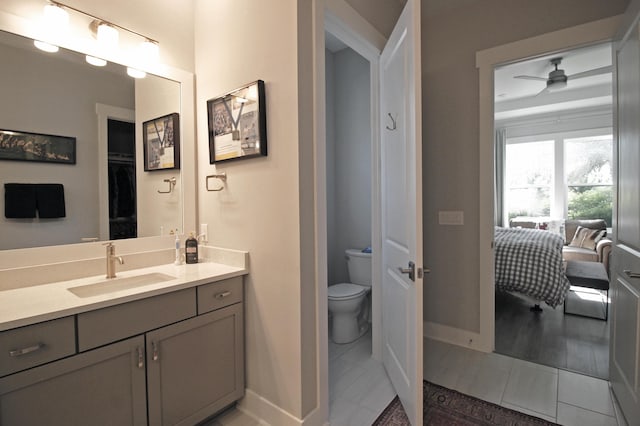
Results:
[345, 291]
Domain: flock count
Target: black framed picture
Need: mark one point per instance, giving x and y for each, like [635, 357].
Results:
[238, 124]
[161, 143]
[29, 146]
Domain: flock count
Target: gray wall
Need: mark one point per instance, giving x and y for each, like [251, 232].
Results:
[348, 158]
[450, 40]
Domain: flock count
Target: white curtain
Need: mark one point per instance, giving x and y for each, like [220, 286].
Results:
[499, 175]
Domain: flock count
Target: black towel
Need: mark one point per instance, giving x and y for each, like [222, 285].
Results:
[50, 200]
[19, 200]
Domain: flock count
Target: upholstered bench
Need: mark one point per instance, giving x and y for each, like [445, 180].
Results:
[590, 275]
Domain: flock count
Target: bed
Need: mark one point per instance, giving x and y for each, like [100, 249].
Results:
[529, 261]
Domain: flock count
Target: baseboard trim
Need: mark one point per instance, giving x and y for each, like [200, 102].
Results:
[266, 412]
[456, 336]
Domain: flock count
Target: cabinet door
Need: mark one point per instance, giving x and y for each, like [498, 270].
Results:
[105, 386]
[195, 367]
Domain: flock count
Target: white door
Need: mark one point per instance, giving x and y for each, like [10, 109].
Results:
[401, 158]
[624, 358]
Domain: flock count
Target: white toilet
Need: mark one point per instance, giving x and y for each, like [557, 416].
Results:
[348, 303]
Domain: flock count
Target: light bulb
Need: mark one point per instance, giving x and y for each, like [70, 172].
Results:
[51, 48]
[107, 36]
[149, 51]
[132, 72]
[98, 62]
[55, 16]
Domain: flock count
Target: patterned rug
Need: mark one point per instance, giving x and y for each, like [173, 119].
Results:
[444, 406]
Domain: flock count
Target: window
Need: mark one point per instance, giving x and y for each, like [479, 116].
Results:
[564, 177]
[529, 178]
[589, 178]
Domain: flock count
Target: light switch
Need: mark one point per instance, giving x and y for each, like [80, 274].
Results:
[451, 217]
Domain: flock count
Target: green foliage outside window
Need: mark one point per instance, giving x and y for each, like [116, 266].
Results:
[590, 202]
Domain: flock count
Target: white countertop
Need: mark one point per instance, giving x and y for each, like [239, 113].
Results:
[29, 305]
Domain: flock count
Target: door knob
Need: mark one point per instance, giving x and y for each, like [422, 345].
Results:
[411, 270]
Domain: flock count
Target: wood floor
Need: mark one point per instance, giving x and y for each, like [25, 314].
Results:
[552, 338]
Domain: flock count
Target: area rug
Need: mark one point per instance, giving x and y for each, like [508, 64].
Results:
[444, 406]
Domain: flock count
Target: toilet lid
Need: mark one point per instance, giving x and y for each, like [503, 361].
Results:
[345, 290]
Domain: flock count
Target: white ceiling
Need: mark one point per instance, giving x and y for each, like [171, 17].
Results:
[517, 98]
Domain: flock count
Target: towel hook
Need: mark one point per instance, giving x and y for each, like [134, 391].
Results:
[171, 182]
[393, 122]
[222, 176]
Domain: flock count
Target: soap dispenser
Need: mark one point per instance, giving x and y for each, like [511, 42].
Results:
[191, 249]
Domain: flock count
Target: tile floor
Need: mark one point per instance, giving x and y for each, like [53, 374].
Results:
[360, 390]
[559, 396]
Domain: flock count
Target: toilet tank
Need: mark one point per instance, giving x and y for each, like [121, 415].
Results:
[359, 267]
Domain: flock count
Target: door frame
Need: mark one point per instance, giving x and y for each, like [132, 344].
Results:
[346, 24]
[595, 32]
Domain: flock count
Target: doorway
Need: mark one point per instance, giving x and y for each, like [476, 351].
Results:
[122, 179]
[358, 384]
[554, 171]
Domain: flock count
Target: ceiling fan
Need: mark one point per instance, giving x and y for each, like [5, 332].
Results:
[558, 79]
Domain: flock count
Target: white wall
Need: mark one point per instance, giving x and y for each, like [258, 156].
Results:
[348, 158]
[60, 101]
[259, 209]
[450, 127]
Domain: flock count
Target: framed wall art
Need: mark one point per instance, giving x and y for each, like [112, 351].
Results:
[161, 143]
[238, 124]
[28, 146]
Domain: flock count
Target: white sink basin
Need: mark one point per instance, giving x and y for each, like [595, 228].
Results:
[116, 284]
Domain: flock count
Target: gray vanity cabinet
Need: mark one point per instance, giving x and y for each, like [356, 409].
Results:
[195, 367]
[105, 386]
[171, 359]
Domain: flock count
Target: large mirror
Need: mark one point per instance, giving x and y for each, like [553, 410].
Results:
[107, 193]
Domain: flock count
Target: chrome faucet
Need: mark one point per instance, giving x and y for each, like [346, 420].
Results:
[111, 260]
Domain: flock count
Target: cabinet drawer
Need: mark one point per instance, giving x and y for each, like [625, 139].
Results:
[219, 294]
[36, 344]
[97, 328]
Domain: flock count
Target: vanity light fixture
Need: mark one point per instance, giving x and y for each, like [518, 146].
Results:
[55, 20]
[149, 50]
[51, 48]
[98, 62]
[135, 73]
[56, 17]
[107, 35]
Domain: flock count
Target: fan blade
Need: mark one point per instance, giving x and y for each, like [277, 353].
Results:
[546, 89]
[529, 77]
[595, 71]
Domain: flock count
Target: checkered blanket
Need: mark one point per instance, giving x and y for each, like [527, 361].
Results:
[530, 261]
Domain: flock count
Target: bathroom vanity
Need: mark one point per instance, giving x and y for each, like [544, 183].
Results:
[165, 353]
